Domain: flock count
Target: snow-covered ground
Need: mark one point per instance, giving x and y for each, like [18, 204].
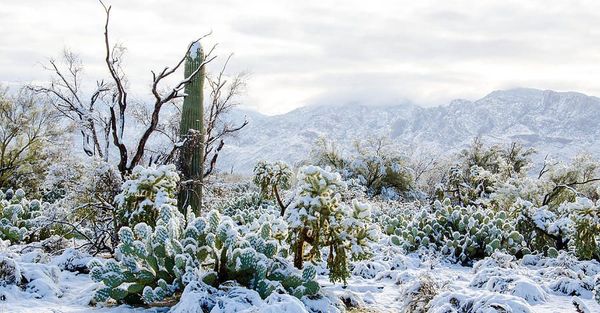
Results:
[392, 282]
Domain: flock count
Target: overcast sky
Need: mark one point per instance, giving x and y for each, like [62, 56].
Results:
[316, 52]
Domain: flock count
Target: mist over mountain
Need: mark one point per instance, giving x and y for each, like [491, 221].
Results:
[560, 124]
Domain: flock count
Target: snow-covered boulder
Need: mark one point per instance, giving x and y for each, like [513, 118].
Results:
[72, 260]
[484, 302]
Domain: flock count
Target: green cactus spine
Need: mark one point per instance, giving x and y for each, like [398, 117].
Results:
[192, 118]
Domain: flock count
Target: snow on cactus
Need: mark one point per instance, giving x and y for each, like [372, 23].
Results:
[464, 233]
[145, 192]
[151, 263]
[271, 178]
[154, 262]
[249, 255]
[152, 259]
[20, 218]
[586, 216]
[318, 220]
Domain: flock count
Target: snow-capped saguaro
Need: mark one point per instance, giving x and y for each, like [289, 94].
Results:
[192, 131]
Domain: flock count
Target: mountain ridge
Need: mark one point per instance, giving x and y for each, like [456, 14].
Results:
[557, 123]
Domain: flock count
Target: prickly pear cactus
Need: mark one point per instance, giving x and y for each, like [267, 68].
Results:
[152, 263]
[20, 217]
[253, 255]
[463, 233]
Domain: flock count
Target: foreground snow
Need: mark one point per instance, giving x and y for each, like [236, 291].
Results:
[392, 282]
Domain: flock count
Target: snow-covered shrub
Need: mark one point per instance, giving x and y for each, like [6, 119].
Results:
[21, 219]
[464, 233]
[272, 178]
[367, 269]
[580, 306]
[39, 280]
[506, 281]
[586, 216]
[83, 202]
[10, 272]
[488, 302]
[374, 164]
[597, 289]
[479, 169]
[145, 192]
[565, 274]
[318, 219]
[544, 228]
[572, 224]
[417, 294]
[72, 260]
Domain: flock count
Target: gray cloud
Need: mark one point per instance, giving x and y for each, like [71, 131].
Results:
[306, 52]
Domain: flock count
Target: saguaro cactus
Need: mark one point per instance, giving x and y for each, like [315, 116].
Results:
[192, 127]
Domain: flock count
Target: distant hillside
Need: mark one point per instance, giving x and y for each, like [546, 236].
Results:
[557, 123]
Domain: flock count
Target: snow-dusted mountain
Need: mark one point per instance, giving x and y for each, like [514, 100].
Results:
[557, 123]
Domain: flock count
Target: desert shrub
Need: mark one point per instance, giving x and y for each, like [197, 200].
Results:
[32, 138]
[374, 164]
[479, 169]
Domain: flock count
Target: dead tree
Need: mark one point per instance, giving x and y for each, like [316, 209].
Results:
[102, 117]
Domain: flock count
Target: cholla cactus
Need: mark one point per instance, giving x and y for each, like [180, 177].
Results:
[19, 217]
[272, 177]
[586, 215]
[154, 261]
[251, 255]
[145, 192]
[320, 220]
